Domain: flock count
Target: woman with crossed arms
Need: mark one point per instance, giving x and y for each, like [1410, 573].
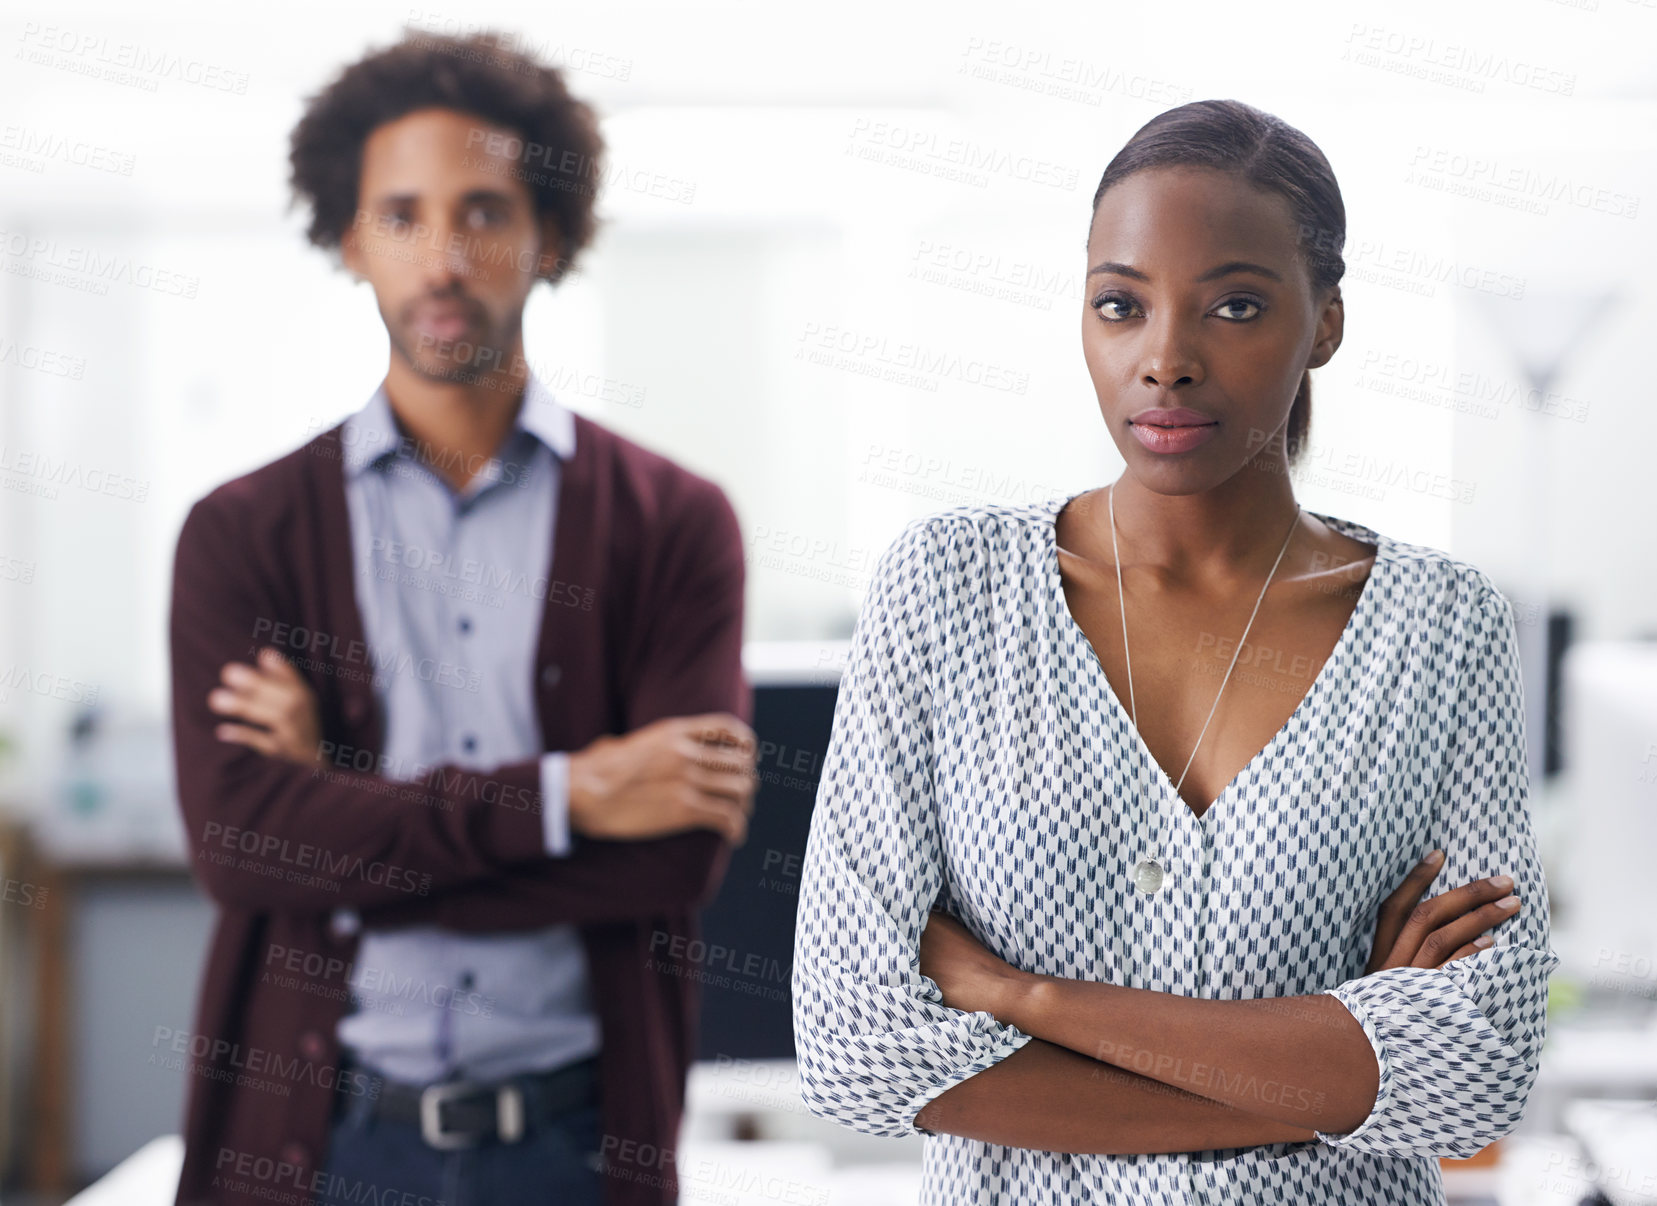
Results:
[1114, 887]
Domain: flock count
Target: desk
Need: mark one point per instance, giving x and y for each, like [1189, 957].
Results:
[119, 946]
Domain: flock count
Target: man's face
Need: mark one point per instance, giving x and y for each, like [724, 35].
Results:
[446, 232]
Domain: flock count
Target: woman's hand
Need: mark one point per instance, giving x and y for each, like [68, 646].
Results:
[1413, 933]
[971, 978]
[274, 709]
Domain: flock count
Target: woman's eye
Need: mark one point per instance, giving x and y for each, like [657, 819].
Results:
[1103, 306]
[1226, 308]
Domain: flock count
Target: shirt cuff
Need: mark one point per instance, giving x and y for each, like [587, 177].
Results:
[1351, 996]
[555, 803]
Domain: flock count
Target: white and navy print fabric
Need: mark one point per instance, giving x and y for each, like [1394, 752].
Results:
[979, 758]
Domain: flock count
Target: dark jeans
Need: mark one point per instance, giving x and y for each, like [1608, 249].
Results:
[376, 1160]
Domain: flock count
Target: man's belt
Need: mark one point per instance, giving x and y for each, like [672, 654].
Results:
[461, 1113]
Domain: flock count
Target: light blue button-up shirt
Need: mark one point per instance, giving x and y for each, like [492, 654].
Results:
[452, 589]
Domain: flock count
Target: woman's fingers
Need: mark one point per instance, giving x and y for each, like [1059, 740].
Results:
[1396, 908]
[1482, 942]
[1463, 931]
[1442, 910]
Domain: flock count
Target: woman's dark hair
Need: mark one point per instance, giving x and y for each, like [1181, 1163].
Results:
[482, 76]
[1269, 153]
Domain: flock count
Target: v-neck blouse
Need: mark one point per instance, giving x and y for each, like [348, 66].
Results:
[980, 760]
[1153, 772]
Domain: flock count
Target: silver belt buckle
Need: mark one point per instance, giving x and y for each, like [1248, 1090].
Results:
[509, 1113]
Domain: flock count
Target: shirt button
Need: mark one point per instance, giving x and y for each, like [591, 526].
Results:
[465, 624]
[296, 1154]
[310, 1045]
[550, 674]
[465, 981]
[469, 743]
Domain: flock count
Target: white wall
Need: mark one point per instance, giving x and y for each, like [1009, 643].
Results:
[699, 309]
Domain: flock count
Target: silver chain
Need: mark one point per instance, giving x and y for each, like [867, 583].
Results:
[1122, 607]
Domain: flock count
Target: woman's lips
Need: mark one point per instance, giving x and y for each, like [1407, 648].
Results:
[1170, 440]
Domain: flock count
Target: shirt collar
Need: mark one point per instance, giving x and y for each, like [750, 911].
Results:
[371, 434]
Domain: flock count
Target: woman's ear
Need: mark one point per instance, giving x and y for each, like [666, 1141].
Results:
[1331, 326]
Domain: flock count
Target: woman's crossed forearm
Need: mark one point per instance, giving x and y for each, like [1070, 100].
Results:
[1285, 1066]
[1045, 1097]
[1304, 1061]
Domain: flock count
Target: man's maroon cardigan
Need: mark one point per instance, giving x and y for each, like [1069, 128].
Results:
[643, 620]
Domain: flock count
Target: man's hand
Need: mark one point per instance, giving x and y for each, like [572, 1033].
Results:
[1413, 933]
[678, 773]
[274, 707]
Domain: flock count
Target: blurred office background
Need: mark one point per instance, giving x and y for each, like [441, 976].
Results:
[802, 201]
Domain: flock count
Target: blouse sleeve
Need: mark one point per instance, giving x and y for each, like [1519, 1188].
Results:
[1459, 1046]
[875, 1042]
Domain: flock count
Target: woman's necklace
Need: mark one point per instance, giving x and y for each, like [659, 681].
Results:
[1148, 871]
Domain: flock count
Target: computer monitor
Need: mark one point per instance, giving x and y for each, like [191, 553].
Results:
[746, 1010]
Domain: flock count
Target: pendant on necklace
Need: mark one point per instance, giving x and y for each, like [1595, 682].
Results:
[1147, 876]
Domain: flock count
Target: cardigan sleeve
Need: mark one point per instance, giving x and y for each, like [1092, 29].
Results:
[1458, 1047]
[875, 1042]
